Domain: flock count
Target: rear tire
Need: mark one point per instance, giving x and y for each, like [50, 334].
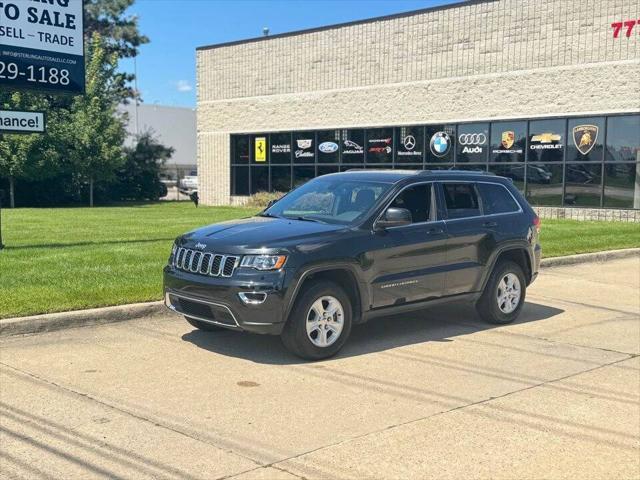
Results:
[204, 326]
[504, 294]
[320, 322]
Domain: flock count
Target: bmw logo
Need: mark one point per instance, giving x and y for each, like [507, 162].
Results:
[440, 144]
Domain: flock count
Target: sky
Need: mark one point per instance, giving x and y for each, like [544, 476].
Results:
[166, 65]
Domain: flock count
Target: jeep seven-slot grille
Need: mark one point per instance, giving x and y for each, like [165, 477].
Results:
[213, 264]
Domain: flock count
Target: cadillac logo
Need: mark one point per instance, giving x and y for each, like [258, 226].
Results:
[508, 138]
[584, 137]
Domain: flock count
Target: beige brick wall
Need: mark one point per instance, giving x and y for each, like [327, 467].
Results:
[485, 60]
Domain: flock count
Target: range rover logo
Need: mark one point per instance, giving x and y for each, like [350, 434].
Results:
[200, 246]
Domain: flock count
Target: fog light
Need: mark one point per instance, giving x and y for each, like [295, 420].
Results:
[252, 298]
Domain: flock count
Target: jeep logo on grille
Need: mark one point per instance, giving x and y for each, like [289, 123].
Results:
[200, 246]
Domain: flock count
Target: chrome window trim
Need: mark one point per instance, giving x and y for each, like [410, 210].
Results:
[170, 306]
[482, 215]
[429, 182]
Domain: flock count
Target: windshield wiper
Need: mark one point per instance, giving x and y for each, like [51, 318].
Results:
[308, 219]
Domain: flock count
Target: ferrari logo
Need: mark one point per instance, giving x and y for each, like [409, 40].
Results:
[261, 149]
[584, 137]
[508, 138]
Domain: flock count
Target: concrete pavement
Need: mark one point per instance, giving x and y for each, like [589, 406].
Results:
[434, 394]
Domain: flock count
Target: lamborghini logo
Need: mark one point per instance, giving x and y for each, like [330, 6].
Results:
[508, 138]
[584, 137]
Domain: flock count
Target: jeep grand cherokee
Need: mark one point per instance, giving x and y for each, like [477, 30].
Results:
[347, 247]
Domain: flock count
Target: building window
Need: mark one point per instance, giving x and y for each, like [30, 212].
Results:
[304, 147]
[302, 175]
[409, 143]
[440, 143]
[583, 185]
[515, 172]
[473, 143]
[544, 184]
[508, 142]
[240, 181]
[623, 139]
[582, 162]
[280, 148]
[259, 179]
[379, 145]
[585, 139]
[622, 185]
[547, 141]
[280, 178]
[328, 146]
[240, 149]
[327, 169]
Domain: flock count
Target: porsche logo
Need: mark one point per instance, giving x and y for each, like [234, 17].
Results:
[584, 137]
[508, 138]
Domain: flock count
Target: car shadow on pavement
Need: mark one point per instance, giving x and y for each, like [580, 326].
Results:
[438, 324]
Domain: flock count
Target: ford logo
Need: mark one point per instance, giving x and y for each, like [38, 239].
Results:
[328, 147]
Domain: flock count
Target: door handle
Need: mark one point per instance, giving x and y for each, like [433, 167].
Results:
[435, 230]
[490, 224]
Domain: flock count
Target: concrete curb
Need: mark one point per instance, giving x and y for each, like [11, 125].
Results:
[79, 318]
[96, 316]
[590, 257]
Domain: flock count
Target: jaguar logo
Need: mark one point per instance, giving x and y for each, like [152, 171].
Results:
[200, 246]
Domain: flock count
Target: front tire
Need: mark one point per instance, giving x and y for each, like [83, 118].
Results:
[320, 322]
[204, 326]
[504, 294]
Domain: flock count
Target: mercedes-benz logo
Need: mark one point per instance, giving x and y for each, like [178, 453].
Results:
[409, 142]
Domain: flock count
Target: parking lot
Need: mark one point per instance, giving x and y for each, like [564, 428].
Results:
[434, 394]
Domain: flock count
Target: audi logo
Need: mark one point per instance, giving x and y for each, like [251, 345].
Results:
[472, 139]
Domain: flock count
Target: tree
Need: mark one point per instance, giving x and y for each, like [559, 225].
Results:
[120, 34]
[21, 153]
[94, 134]
[139, 177]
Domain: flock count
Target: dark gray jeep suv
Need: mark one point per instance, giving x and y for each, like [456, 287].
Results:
[347, 247]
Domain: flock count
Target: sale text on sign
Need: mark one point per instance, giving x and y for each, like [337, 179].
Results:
[41, 45]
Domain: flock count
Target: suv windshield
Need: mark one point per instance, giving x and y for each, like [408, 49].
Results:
[330, 200]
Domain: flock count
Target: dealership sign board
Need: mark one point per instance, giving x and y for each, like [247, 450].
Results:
[21, 122]
[41, 45]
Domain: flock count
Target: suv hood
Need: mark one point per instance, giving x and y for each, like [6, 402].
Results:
[257, 233]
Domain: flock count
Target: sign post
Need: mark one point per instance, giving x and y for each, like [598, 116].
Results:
[1, 195]
[42, 46]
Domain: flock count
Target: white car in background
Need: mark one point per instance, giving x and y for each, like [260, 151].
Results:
[189, 183]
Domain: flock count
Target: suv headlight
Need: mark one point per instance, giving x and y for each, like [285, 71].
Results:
[264, 262]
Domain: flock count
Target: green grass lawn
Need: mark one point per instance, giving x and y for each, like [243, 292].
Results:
[73, 258]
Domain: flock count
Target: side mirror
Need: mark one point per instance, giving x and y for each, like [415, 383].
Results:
[394, 217]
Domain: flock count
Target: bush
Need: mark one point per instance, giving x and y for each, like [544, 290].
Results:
[262, 199]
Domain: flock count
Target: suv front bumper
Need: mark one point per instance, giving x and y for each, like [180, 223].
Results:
[218, 301]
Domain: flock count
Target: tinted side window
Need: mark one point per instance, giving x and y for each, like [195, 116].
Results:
[461, 200]
[417, 200]
[496, 199]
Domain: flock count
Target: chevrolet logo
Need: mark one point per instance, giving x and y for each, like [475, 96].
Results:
[546, 138]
